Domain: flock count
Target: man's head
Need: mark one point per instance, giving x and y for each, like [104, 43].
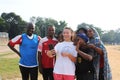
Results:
[81, 30]
[81, 38]
[51, 30]
[30, 29]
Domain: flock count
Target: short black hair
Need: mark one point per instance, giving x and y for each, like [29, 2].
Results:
[85, 30]
[48, 26]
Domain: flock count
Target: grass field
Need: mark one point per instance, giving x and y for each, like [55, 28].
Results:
[9, 69]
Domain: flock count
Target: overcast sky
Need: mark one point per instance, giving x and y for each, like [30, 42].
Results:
[101, 13]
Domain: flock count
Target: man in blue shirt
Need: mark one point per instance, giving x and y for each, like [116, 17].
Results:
[28, 45]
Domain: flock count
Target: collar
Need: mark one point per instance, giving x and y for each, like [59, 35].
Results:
[30, 37]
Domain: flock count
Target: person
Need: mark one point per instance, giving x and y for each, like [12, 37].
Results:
[60, 36]
[45, 63]
[101, 64]
[84, 64]
[66, 54]
[28, 44]
[81, 30]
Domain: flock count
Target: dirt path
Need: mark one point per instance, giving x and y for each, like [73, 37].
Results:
[113, 54]
[114, 59]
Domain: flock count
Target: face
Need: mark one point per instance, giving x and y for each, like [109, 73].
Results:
[60, 37]
[67, 34]
[30, 29]
[81, 31]
[51, 31]
[80, 41]
[90, 33]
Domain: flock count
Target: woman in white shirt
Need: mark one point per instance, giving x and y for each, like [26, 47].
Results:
[66, 54]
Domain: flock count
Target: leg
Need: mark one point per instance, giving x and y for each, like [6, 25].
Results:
[34, 73]
[50, 71]
[101, 75]
[45, 74]
[24, 72]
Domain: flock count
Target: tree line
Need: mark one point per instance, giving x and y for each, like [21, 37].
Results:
[13, 24]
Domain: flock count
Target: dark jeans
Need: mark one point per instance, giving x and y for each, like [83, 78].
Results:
[26, 72]
[101, 74]
[85, 76]
[47, 74]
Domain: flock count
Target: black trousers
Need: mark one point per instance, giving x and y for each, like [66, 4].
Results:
[85, 76]
[101, 74]
[47, 74]
[29, 72]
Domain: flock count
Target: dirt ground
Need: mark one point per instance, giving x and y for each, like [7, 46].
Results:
[114, 60]
[113, 55]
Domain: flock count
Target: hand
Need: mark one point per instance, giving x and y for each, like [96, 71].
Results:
[91, 46]
[51, 53]
[65, 54]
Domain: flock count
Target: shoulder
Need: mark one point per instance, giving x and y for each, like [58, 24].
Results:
[59, 44]
[54, 39]
[24, 34]
[16, 38]
[37, 36]
[42, 40]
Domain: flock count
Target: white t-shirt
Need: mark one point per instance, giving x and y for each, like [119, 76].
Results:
[64, 65]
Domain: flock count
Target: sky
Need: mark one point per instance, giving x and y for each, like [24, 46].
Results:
[104, 14]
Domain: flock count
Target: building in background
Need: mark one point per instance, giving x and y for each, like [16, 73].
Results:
[3, 38]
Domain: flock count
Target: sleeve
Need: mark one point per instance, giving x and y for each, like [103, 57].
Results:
[74, 52]
[15, 40]
[39, 38]
[40, 45]
[92, 53]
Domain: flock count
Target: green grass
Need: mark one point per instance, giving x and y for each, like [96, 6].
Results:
[5, 54]
[9, 68]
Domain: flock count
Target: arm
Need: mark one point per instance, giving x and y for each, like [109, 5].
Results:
[85, 56]
[13, 49]
[70, 56]
[13, 42]
[97, 49]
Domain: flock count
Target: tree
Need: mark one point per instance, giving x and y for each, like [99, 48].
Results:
[109, 37]
[42, 25]
[83, 25]
[3, 26]
[15, 23]
[60, 26]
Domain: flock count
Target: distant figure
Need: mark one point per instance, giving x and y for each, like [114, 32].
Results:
[46, 63]
[28, 45]
[60, 36]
